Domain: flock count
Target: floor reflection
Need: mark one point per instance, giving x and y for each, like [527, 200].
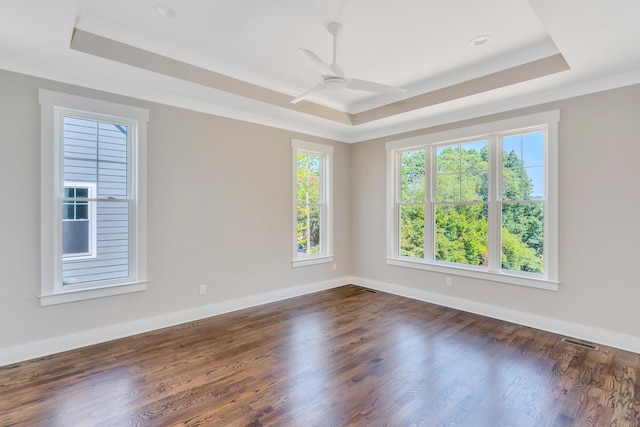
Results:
[87, 399]
[311, 356]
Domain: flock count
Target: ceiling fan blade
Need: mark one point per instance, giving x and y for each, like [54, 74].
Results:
[368, 86]
[323, 68]
[308, 93]
[337, 70]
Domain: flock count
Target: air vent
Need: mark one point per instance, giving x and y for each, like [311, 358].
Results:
[582, 344]
[370, 290]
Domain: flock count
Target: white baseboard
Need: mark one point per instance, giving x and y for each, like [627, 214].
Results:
[586, 333]
[54, 345]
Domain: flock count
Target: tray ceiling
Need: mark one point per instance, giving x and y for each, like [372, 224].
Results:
[240, 59]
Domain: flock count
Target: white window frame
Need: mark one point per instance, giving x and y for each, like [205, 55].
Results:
[53, 107]
[326, 201]
[491, 131]
[91, 186]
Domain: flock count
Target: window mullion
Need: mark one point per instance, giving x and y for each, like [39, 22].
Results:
[398, 198]
[429, 218]
[322, 204]
[494, 204]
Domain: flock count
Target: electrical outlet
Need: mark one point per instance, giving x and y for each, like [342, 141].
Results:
[335, 266]
[449, 281]
[203, 289]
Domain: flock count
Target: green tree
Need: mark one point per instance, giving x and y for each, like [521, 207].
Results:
[461, 212]
[412, 231]
[522, 222]
[462, 234]
[412, 187]
[308, 203]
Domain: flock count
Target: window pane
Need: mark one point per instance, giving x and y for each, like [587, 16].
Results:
[82, 193]
[96, 152]
[308, 181]
[533, 149]
[474, 186]
[512, 151]
[68, 211]
[412, 231]
[308, 229]
[412, 176]
[475, 156]
[112, 180]
[448, 159]
[82, 210]
[462, 233]
[112, 156]
[523, 236]
[462, 172]
[533, 183]
[80, 140]
[111, 257]
[523, 184]
[512, 184]
[75, 237]
[468, 187]
[448, 188]
[483, 185]
[523, 166]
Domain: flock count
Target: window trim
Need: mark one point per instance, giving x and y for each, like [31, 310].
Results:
[548, 280]
[326, 215]
[51, 289]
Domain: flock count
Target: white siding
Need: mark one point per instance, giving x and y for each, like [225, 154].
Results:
[96, 152]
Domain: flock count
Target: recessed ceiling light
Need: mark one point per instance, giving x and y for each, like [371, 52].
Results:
[165, 10]
[480, 40]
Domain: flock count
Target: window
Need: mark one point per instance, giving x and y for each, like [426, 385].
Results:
[93, 198]
[78, 221]
[312, 211]
[478, 201]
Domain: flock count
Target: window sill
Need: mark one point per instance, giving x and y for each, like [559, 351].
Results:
[311, 261]
[531, 282]
[91, 293]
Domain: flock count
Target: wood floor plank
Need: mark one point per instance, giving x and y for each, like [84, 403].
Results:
[343, 357]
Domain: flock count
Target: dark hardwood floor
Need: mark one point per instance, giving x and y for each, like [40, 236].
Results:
[343, 357]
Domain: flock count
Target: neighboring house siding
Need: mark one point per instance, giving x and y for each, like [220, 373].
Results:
[96, 152]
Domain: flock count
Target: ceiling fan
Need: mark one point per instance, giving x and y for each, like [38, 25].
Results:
[333, 76]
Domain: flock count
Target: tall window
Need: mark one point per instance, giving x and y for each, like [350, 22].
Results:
[482, 206]
[93, 198]
[312, 203]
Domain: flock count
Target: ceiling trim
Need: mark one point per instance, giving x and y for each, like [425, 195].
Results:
[103, 47]
[87, 42]
[521, 73]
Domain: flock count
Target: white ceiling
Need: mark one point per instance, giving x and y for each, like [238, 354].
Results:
[421, 45]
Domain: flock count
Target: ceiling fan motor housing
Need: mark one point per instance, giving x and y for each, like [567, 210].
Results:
[334, 83]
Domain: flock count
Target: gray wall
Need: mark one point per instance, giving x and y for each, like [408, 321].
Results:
[599, 211]
[219, 213]
[219, 202]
